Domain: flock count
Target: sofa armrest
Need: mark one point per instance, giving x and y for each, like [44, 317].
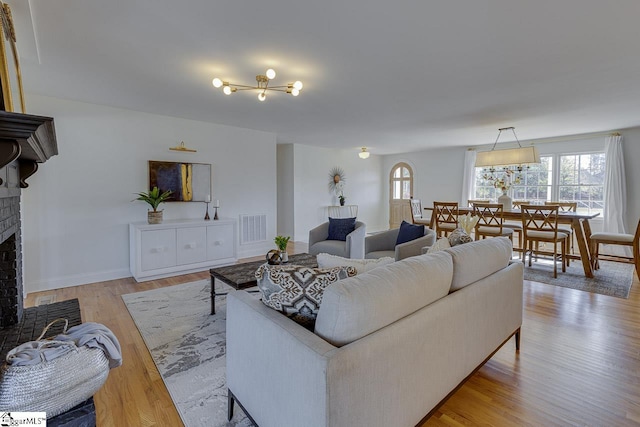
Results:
[318, 233]
[355, 241]
[413, 247]
[268, 352]
[383, 241]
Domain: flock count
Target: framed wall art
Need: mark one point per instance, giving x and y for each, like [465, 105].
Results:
[189, 182]
[10, 75]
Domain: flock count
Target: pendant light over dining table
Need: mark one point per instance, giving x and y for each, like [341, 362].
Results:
[506, 165]
[520, 156]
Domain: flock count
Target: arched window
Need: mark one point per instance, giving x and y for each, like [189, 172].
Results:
[401, 182]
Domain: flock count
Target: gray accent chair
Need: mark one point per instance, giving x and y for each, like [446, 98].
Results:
[384, 245]
[353, 247]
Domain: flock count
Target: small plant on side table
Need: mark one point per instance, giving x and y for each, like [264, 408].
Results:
[154, 197]
[281, 243]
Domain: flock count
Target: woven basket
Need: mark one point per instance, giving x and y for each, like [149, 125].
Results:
[54, 386]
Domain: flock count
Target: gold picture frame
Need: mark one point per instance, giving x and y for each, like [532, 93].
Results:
[10, 75]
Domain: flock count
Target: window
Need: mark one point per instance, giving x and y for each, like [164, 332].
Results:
[401, 182]
[579, 178]
[535, 182]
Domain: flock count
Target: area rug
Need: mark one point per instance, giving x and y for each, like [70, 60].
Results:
[612, 279]
[188, 346]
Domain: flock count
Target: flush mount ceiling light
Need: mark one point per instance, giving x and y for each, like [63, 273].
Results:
[364, 154]
[262, 86]
[520, 156]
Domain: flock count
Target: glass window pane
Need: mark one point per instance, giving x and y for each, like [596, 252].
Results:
[406, 190]
[405, 173]
[397, 172]
[396, 190]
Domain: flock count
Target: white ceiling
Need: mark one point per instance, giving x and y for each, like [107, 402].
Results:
[394, 76]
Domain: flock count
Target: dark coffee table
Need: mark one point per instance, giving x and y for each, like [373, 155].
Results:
[242, 276]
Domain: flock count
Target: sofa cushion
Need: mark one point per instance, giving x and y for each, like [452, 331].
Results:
[409, 232]
[479, 259]
[339, 228]
[295, 290]
[362, 265]
[360, 305]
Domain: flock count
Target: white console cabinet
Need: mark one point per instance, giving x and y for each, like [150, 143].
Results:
[180, 247]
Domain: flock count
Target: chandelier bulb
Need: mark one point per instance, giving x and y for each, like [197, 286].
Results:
[217, 82]
[271, 73]
[295, 92]
[297, 85]
[226, 90]
[262, 96]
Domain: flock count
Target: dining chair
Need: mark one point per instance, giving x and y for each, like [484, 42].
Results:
[416, 213]
[490, 221]
[620, 239]
[517, 226]
[540, 224]
[446, 217]
[566, 207]
[517, 203]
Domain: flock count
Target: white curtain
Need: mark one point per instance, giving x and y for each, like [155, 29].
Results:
[615, 189]
[468, 177]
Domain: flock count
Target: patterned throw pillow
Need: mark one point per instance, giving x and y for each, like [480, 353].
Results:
[340, 227]
[458, 237]
[296, 291]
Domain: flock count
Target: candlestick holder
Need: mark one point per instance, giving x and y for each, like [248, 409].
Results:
[206, 216]
[215, 215]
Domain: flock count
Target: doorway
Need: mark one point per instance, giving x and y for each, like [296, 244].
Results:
[400, 192]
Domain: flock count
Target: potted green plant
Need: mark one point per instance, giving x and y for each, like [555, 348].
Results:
[281, 243]
[154, 197]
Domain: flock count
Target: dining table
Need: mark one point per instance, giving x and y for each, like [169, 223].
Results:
[579, 223]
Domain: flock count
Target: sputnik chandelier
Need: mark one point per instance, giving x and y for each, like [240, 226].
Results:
[262, 87]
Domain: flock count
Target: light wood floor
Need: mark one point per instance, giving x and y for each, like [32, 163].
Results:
[579, 362]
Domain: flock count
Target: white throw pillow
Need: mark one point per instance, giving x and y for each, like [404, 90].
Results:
[362, 265]
[441, 243]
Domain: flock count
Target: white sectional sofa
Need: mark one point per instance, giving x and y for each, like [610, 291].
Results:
[389, 347]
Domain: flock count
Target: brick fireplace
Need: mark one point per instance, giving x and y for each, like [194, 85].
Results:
[11, 289]
[25, 141]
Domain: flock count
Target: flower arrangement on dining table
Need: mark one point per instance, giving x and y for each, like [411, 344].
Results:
[507, 181]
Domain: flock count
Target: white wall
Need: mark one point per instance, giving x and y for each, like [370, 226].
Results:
[312, 195]
[78, 205]
[437, 175]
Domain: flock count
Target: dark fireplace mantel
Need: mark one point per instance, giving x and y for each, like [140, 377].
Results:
[27, 138]
[25, 141]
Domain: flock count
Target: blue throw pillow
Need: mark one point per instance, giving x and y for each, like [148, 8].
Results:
[340, 227]
[409, 232]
